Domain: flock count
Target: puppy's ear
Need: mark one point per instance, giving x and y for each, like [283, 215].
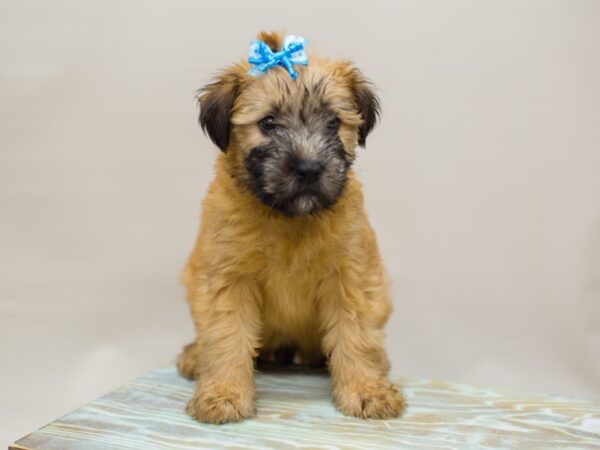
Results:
[216, 101]
[368, 105]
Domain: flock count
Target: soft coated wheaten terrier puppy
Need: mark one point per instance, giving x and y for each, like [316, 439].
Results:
[285, 257]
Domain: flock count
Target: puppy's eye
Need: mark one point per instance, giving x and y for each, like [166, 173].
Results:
[333, 124]
[267, 124]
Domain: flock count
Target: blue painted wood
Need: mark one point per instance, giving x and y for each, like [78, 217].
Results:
[295, 411]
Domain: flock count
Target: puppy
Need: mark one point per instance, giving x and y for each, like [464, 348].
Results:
[285, 256]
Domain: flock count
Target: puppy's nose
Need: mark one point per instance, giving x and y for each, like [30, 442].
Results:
[308, 171]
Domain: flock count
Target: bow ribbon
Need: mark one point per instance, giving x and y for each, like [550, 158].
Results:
[263, 58]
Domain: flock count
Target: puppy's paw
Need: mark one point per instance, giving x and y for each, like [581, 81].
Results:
[370, 399]
[187, 361]
[221, 407]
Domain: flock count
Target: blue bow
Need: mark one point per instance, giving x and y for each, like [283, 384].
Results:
[292, 52]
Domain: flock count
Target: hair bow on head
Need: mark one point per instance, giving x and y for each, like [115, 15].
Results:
[263, 58]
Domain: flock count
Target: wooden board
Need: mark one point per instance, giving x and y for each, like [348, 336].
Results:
[295, 411]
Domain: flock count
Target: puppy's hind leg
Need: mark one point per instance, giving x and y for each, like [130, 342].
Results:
[187, 361]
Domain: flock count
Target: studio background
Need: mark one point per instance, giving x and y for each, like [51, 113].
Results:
[482, 182]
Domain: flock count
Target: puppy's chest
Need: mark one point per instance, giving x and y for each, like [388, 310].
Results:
[295, 264]
[288, 305]
[290, 277]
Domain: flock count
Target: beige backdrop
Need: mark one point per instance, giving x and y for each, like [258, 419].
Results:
[482, 182]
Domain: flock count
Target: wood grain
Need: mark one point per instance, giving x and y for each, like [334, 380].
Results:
[295, 411]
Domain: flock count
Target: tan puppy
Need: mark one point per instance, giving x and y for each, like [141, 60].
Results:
[285, 257]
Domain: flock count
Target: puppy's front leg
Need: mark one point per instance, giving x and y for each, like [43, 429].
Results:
[353, 341]
[228, 326]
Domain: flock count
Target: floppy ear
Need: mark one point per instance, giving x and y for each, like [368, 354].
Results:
[368, 105]
[216, 101]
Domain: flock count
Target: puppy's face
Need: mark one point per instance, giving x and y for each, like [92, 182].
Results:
[290, 142]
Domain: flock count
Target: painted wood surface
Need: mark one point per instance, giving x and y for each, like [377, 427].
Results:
[295, 411]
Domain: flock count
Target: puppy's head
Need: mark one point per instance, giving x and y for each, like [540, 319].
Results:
[290, 142]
